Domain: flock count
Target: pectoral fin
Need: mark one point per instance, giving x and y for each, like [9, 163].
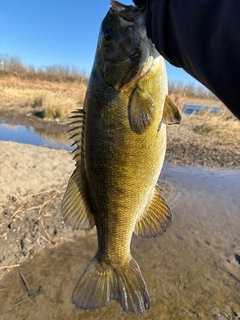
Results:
[75, 210]
[171, 113]
[141, 111]
[156, 218]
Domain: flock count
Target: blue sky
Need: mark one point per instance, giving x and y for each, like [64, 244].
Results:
[48, 32]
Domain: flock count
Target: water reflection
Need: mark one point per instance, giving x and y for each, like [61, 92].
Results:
[37, 137]
[192, 272]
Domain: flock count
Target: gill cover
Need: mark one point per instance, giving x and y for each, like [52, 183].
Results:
[123, 44]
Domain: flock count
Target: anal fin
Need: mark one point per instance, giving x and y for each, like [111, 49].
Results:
[156, 219]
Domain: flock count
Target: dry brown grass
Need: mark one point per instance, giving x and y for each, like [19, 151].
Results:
[55, 99]
[222, 125]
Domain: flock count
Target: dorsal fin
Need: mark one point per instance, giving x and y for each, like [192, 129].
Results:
[75, 210]
[76, 132]
[156, 218]
[171, 113]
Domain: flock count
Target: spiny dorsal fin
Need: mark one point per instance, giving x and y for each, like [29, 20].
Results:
[171, 113]
[156, 218]
[77, 132]
[141, 110]
[75, 210]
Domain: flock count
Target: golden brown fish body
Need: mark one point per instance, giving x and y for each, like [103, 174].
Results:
[121, 143]
[122, 166]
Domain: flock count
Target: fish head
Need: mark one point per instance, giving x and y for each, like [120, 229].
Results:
[124, 48]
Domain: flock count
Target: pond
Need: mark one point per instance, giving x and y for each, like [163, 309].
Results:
[189, 109]
[37, 137]
[43, 138]
[192, 272]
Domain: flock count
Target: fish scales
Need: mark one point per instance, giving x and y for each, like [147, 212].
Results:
[122, 172]
[119, 159]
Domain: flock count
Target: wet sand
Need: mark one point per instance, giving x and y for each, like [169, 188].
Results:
[192, 272]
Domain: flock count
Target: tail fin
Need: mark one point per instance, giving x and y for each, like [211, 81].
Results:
[100, 283]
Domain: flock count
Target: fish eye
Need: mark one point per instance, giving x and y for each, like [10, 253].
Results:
[108, 33]
[131, 28]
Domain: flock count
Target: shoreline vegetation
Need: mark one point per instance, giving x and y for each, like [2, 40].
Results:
[30, 95]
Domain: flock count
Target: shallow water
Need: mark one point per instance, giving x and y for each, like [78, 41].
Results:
[192, 272]
[189, 109]
[36, 137]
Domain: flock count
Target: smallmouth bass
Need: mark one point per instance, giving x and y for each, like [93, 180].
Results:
[120, 147]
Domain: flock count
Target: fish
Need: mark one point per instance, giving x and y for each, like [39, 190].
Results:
[120, 139]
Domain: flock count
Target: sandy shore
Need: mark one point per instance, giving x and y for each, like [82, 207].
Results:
[192, 272]
[33, 181]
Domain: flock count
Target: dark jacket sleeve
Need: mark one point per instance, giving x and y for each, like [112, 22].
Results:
[202, 37]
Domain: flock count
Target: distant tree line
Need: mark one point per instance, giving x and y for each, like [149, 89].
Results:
[190, 91]
[13, 66]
